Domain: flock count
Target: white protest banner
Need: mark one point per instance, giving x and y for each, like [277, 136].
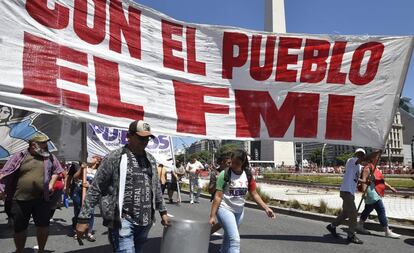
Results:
[101, 140]
[17, 127]
[115, 61]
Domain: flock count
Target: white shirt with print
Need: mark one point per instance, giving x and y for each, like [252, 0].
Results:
[235, 193]
[351, 176]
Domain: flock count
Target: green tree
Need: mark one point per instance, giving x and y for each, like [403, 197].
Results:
[316, 156]
[341, 159]
[179, 158]
[204, 156]
[226, 148]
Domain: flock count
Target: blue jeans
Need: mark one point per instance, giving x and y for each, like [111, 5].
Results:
[230, 222]
[129, 238]
[379, 207]
[195, 183]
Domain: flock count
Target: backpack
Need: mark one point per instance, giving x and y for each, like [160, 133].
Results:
[227, 176]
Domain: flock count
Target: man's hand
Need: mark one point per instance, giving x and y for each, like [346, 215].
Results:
[81, 229]
[165, 221]
[212, 220]
[1, 195]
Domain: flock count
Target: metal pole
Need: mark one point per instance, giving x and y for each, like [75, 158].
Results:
[301, 146]
[323, 150]
[174, 167]
[412, 153]
[389, 156]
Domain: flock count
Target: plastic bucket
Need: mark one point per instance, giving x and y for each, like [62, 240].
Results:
[186, 236]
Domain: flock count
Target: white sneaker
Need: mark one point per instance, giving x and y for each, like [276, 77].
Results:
[191, 202]
[390, 234]
[361, 230]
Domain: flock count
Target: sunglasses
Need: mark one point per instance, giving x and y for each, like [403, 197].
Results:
[144, 138]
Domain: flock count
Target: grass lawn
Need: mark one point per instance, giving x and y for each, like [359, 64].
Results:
[334, 180]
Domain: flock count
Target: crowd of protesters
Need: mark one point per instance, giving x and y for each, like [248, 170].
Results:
[129, 185]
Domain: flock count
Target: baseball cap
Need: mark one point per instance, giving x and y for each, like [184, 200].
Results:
[140, 128]
[39, 138]
[360, 150]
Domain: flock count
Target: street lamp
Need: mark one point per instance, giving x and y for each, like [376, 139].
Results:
[389, 156]
[301, 153]
[323, 150]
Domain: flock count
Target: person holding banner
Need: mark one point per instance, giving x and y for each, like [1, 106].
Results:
[28, 179]
[374, 185]
[347, 193]
[228, 204]
[193, 168]
[128, 188]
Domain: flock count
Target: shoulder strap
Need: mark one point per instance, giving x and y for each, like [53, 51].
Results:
[227, 175]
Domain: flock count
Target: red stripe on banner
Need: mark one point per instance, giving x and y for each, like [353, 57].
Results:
[251, 105]
[191, 108]
[131, 30]
[108, 93]
[57, 18]
[339, 117]
[96, 34]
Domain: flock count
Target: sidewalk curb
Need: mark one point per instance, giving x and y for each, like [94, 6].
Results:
[403, 230]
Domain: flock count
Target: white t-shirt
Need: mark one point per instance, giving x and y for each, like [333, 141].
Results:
[235, 193]
[193, 167]
[351, 176]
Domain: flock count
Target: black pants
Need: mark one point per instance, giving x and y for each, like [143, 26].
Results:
[7, 208]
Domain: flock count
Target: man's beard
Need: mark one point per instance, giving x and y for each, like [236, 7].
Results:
[44, 152]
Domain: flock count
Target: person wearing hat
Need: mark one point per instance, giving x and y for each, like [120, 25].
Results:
[28, 179]
[128, 188]
[347, 192]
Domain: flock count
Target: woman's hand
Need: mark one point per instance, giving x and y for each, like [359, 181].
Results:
[270, 213]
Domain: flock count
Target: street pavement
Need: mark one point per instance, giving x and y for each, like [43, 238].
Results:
[285, 234]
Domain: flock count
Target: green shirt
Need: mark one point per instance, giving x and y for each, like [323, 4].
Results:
[30, 181]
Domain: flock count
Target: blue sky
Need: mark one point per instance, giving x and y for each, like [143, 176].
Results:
[357, 17]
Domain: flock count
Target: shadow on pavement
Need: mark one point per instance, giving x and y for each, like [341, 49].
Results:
[30, 250]
[214, 248]
[409, 241]
[97, 249]
[55, 228]
[299, 238]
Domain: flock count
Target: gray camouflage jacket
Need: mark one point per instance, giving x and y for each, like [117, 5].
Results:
[105, 190]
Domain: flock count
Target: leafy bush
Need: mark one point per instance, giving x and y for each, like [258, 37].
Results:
[323, 207]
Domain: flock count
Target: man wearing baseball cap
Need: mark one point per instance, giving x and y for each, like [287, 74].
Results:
[28, 181]
[347, 192]
[129, 190]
